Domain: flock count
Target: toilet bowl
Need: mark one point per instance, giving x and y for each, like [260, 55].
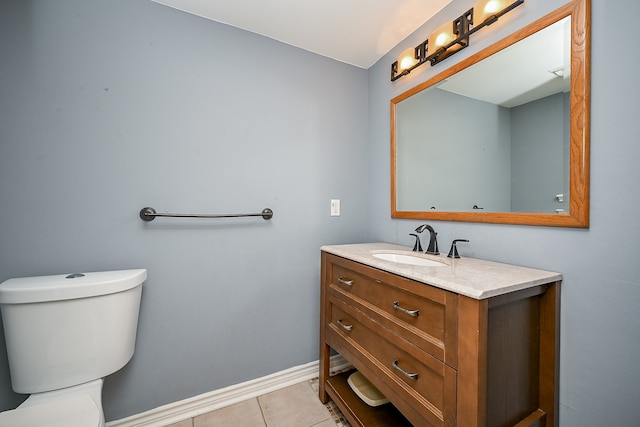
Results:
[64, 334]
[71, 411]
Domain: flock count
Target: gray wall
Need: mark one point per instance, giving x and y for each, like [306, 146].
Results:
[105, 108]
[600, 348]
[110, 106]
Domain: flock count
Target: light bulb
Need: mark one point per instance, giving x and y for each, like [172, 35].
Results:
[407, 59]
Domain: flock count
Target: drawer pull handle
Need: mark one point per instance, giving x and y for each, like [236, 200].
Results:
[414, 313]
[412, 375]
[345, 281]
[345, 326]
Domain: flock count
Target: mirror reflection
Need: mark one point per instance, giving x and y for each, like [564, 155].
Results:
[496, 134]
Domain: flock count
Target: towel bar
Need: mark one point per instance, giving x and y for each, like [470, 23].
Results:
[149, 214]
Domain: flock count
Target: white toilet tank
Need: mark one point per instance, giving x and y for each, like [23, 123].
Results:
[66, 330]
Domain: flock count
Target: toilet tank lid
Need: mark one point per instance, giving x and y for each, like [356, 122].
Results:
[25, 290]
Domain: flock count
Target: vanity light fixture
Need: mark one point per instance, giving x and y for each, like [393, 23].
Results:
[407, 59]
[488, 11]
[452, 37]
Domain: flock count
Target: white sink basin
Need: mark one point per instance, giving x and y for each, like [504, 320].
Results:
[410, 260]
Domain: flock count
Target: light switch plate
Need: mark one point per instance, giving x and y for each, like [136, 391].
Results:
[335, 207]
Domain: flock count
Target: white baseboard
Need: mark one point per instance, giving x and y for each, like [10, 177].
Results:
[197, 405]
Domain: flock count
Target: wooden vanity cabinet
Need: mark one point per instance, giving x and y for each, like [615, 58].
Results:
[441, 358]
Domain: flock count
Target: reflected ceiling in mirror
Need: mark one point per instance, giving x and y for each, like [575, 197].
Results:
[501, 137]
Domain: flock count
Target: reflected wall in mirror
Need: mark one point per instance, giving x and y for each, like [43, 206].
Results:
[502, 136]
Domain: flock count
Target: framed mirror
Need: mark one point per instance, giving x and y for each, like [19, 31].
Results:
[502, 136]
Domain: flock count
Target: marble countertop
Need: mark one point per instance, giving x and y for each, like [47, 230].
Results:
[472, 277]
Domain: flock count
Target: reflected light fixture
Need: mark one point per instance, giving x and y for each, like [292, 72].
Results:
[452, 37]
[558, 72]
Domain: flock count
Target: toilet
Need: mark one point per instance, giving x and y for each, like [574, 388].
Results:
[64, 334]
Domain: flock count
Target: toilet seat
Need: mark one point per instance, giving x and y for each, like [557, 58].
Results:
[75, 411]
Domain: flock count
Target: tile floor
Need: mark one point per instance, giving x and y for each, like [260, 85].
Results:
[294, 406]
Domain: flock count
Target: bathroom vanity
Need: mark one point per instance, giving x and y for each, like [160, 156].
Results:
[456, 342]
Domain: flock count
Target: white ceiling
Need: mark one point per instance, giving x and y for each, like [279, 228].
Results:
[357, 32]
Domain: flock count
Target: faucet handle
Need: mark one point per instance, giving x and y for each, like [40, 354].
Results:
[453, 252]
[417, 247]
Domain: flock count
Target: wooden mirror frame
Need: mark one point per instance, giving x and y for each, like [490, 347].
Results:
[580, 105]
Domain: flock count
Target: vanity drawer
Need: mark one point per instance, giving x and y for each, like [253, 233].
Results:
[407, 372]
[422, 314]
